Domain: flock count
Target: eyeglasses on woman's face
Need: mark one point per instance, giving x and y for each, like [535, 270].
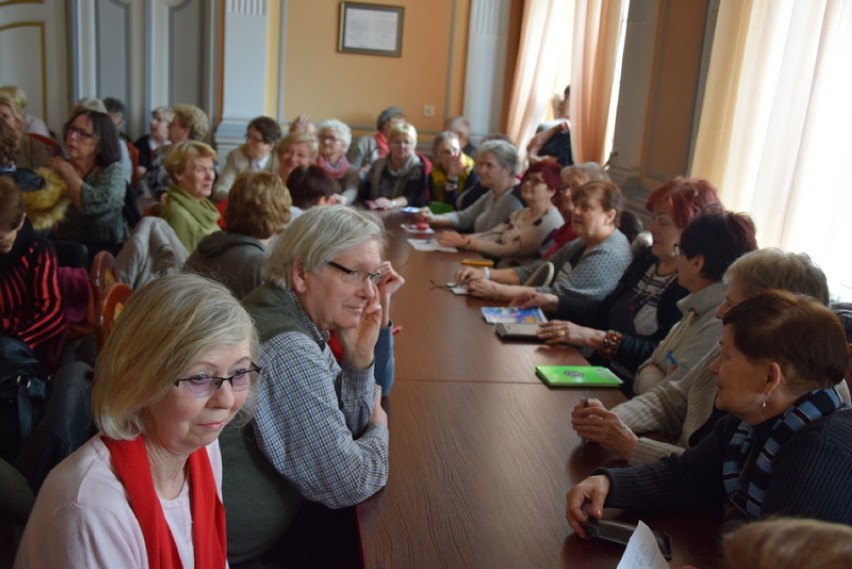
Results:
[82, 134]
[357, 277]
[203, 385]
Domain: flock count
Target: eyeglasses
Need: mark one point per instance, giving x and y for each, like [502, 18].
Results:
[678, 251]
[203, 385]
[329, 138]
[85, 135]
[358, 277]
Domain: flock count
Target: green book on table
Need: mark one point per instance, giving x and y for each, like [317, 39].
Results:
[577, 376]
[440, 207]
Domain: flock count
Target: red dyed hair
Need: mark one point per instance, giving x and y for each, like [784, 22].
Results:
[550, 171]
[685, 198]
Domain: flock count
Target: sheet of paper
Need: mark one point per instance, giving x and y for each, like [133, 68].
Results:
[642, 551]
[430, 245]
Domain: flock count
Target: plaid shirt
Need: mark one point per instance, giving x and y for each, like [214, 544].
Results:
[311, 419]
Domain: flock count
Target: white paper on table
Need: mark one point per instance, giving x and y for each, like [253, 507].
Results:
[430, 245]
[642, 551]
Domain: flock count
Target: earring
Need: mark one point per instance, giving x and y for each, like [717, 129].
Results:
[763, 407]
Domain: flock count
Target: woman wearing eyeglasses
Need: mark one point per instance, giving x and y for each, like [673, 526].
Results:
[96, 183]
[145, 492]
[256, 155]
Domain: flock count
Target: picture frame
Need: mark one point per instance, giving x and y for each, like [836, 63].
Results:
[370, 29]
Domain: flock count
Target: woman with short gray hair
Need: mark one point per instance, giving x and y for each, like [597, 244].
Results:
[496, 165]
[319, 421]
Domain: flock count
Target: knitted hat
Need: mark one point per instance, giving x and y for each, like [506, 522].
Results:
[385, 116]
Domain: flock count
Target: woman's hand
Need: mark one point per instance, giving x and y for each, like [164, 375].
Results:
[487, 289]
[384, 203]
[452, 239]
[584, 500]
[564, 332]
[598, 425]
[337, 199]
[387, 287]
[424, 214]
[530, 299]
[300, 124]
[455, 167]
[359, 343]
[467, 274]
[73, 181]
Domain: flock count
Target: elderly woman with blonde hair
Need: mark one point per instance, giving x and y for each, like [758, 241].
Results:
[398, 179]
[187, 209]
[146, 490]
[294, 150]
[188, 123]
[258, 210]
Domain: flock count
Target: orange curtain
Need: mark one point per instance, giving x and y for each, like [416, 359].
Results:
[597, 28]
[542, 68]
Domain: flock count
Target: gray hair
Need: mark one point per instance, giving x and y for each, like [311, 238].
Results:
[164, 327]
[340, 128]
[318, 236]
[443, 136]
[504, 153]
[591, 171]
[772, 268]
[166, 113]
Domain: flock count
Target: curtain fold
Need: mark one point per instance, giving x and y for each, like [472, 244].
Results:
[775, 129]
[541, 68]
[597, 25]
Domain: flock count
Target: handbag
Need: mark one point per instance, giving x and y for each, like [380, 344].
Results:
[23, 391]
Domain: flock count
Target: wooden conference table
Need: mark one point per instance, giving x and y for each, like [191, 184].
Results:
[481, 452]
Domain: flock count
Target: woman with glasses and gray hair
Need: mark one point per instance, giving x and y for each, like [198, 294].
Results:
[145, 491]
[318, 423]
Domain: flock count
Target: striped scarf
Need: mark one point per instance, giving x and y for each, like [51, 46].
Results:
[809, 408]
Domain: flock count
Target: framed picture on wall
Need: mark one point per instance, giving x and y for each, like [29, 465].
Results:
[371, 29]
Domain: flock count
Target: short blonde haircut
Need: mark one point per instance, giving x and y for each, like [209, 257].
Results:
[788, 543]
[180, 154]
[298, 138]
[193, 118]
[258, 205]
[405, 128]
[19, 100]
[165, 326]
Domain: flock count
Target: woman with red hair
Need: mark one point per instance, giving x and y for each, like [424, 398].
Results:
[624, 328]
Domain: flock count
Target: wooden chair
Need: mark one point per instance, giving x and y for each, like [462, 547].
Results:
[109, 309]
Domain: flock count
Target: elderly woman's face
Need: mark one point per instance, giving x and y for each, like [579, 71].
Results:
[589, 218]
[197, 178]
[180, 423]
[664, 232]
[401, 147]
[447, 152]
[331, 145]
[177, 131]
[81, 142]
[739, 381]
[295, 155]
[335, 299]
[490, 171]
[572, 181]
[7, 116]
[159, 127]
[256, 148]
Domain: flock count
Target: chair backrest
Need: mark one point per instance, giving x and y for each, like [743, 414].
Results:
[542, 276]
[109, 309]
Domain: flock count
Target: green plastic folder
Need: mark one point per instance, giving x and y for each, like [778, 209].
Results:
[577, 376]
[440, 207]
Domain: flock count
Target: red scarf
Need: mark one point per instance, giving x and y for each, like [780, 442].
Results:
[131, 464]
[382, 143]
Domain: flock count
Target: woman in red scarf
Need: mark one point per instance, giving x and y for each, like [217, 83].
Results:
[146, 491]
